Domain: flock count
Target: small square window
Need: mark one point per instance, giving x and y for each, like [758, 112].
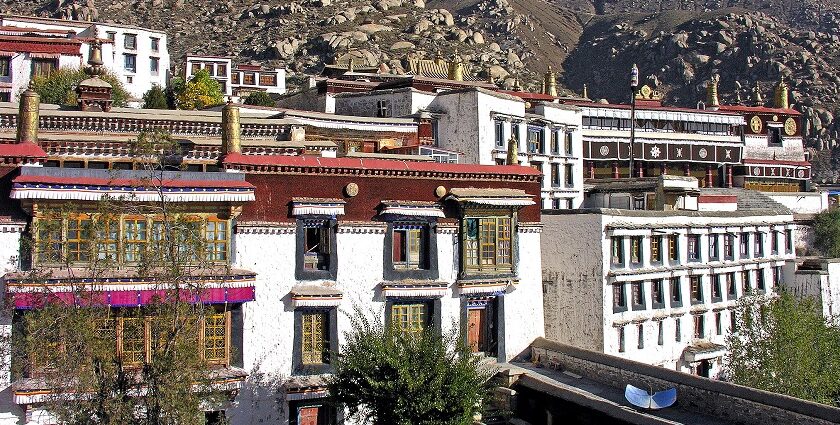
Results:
[155, 44]
[410, 246]
[130, 41]
[154, 65]
[130, 62]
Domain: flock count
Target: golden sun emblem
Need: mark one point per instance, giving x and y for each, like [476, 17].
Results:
[756, 124]
[790, 126]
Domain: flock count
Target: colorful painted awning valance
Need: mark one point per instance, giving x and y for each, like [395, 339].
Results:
[93, 185]
[485, 286]
[315, 296]
[131, 298]
[317, 206]
[410, 289]
[412, 209]
[491, 197]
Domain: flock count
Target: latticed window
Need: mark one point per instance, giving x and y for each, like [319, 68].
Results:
[78, 238]
[133, 340]
[136, 234]
[268, 80]
[409, 247]
[410, 317]
[215, 337]
[636, 249]
[314, 339]
[656, 249]
[216, 237]
[487, 244]
[673, 247]
[617, 246]
[49, 246]
[107, 239]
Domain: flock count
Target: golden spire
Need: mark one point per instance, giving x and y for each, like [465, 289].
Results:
[781, 95]
[512, 151]
[756, 97]
[456, 68]
[28, 113]
[585, 94]
[350, 65]
[550, 83]
[712, 101]
[439, 58]
[516, 85]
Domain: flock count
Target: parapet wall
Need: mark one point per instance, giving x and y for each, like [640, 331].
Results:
[730, 402]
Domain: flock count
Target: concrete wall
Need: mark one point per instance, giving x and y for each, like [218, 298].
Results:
[822, 285]
[10, 238]
[731, 403]
[573, 287]
[401, 102]
[801, 202]
[791, 149]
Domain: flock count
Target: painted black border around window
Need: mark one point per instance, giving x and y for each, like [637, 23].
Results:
[298, 368]
[302, 273]
[430, 273]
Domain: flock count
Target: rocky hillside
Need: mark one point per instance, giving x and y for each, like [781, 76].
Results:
[678, 44]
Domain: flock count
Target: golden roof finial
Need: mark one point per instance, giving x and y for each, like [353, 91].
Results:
[712, 100]
[512, 151]
[550, 83]
[781, 95]
[439, 58]
[350, 64]
[585, 94]
[456, 68]
[516, 85]
[756, 96]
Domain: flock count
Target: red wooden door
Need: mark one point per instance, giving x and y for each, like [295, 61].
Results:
[308, 415]
[475, 329]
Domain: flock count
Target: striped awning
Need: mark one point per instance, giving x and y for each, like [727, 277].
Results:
[315, 296]
[412, 209]
[317, 206]
[414, 289]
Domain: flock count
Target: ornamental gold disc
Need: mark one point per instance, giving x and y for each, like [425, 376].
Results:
[790, 126]
[755, 124]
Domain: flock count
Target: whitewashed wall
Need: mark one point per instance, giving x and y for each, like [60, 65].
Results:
[10, 235]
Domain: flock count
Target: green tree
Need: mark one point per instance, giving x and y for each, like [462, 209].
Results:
[155, 98]
[389, 376]
[97, 360]
[259, 98]
[201, 91]
[827, 232]
[59, 87]
[785, 345]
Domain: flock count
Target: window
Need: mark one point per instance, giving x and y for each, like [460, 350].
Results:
[759, 244]
[155, 44]
[130, 62]
[789, 241]
[619, 298]
[221, 70]
[555, 142]
[677, 329]
[195, 68]
[409, 246]
[499, 127]
[249, 79]
[718, 324]
[641, 329]
[745, 244]
[717, 292]
[621, 346]
[570, 175]
[43, 67]
[136, 239]
[774, 242]
[78, 238]
[133, 338]
[746, 285]
[410, 317]
[617, 243]
[728, 243]
[759, 274]
[535, 139]
[111, 35]
[638, 202]
[154, 65]
[656, 249]
[696, 289]
[693, 247]
[487, 244]
[107, 238]
[215, 337]
[673, 248]
[656, 295]
[268, 80]
[777, 276]
[383, 107]
[699, 326]
[317, 245]
[569, 148]
[234, 77]
[555, 175]
[713, 247]
[514, 132]
[661, 334]
[216, 239]
[676, 292]
[638, 295]
[731, 291]
[314, 337]
[636, 250]
[130, 41]
[5, 66]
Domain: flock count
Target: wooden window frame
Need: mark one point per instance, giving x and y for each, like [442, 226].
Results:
[491, 250]
[656, 249]
[636, 256]
[673, 248]
[411, 317]
[617, 251]
[313, 334]
[695, 287]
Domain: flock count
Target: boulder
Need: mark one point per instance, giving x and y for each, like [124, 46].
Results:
[400, 45]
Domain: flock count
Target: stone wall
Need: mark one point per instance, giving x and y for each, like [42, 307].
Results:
[730, 402]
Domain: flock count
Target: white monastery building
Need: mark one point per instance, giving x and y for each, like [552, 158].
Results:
[139, 57]
[237, 80]
[651, 269]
